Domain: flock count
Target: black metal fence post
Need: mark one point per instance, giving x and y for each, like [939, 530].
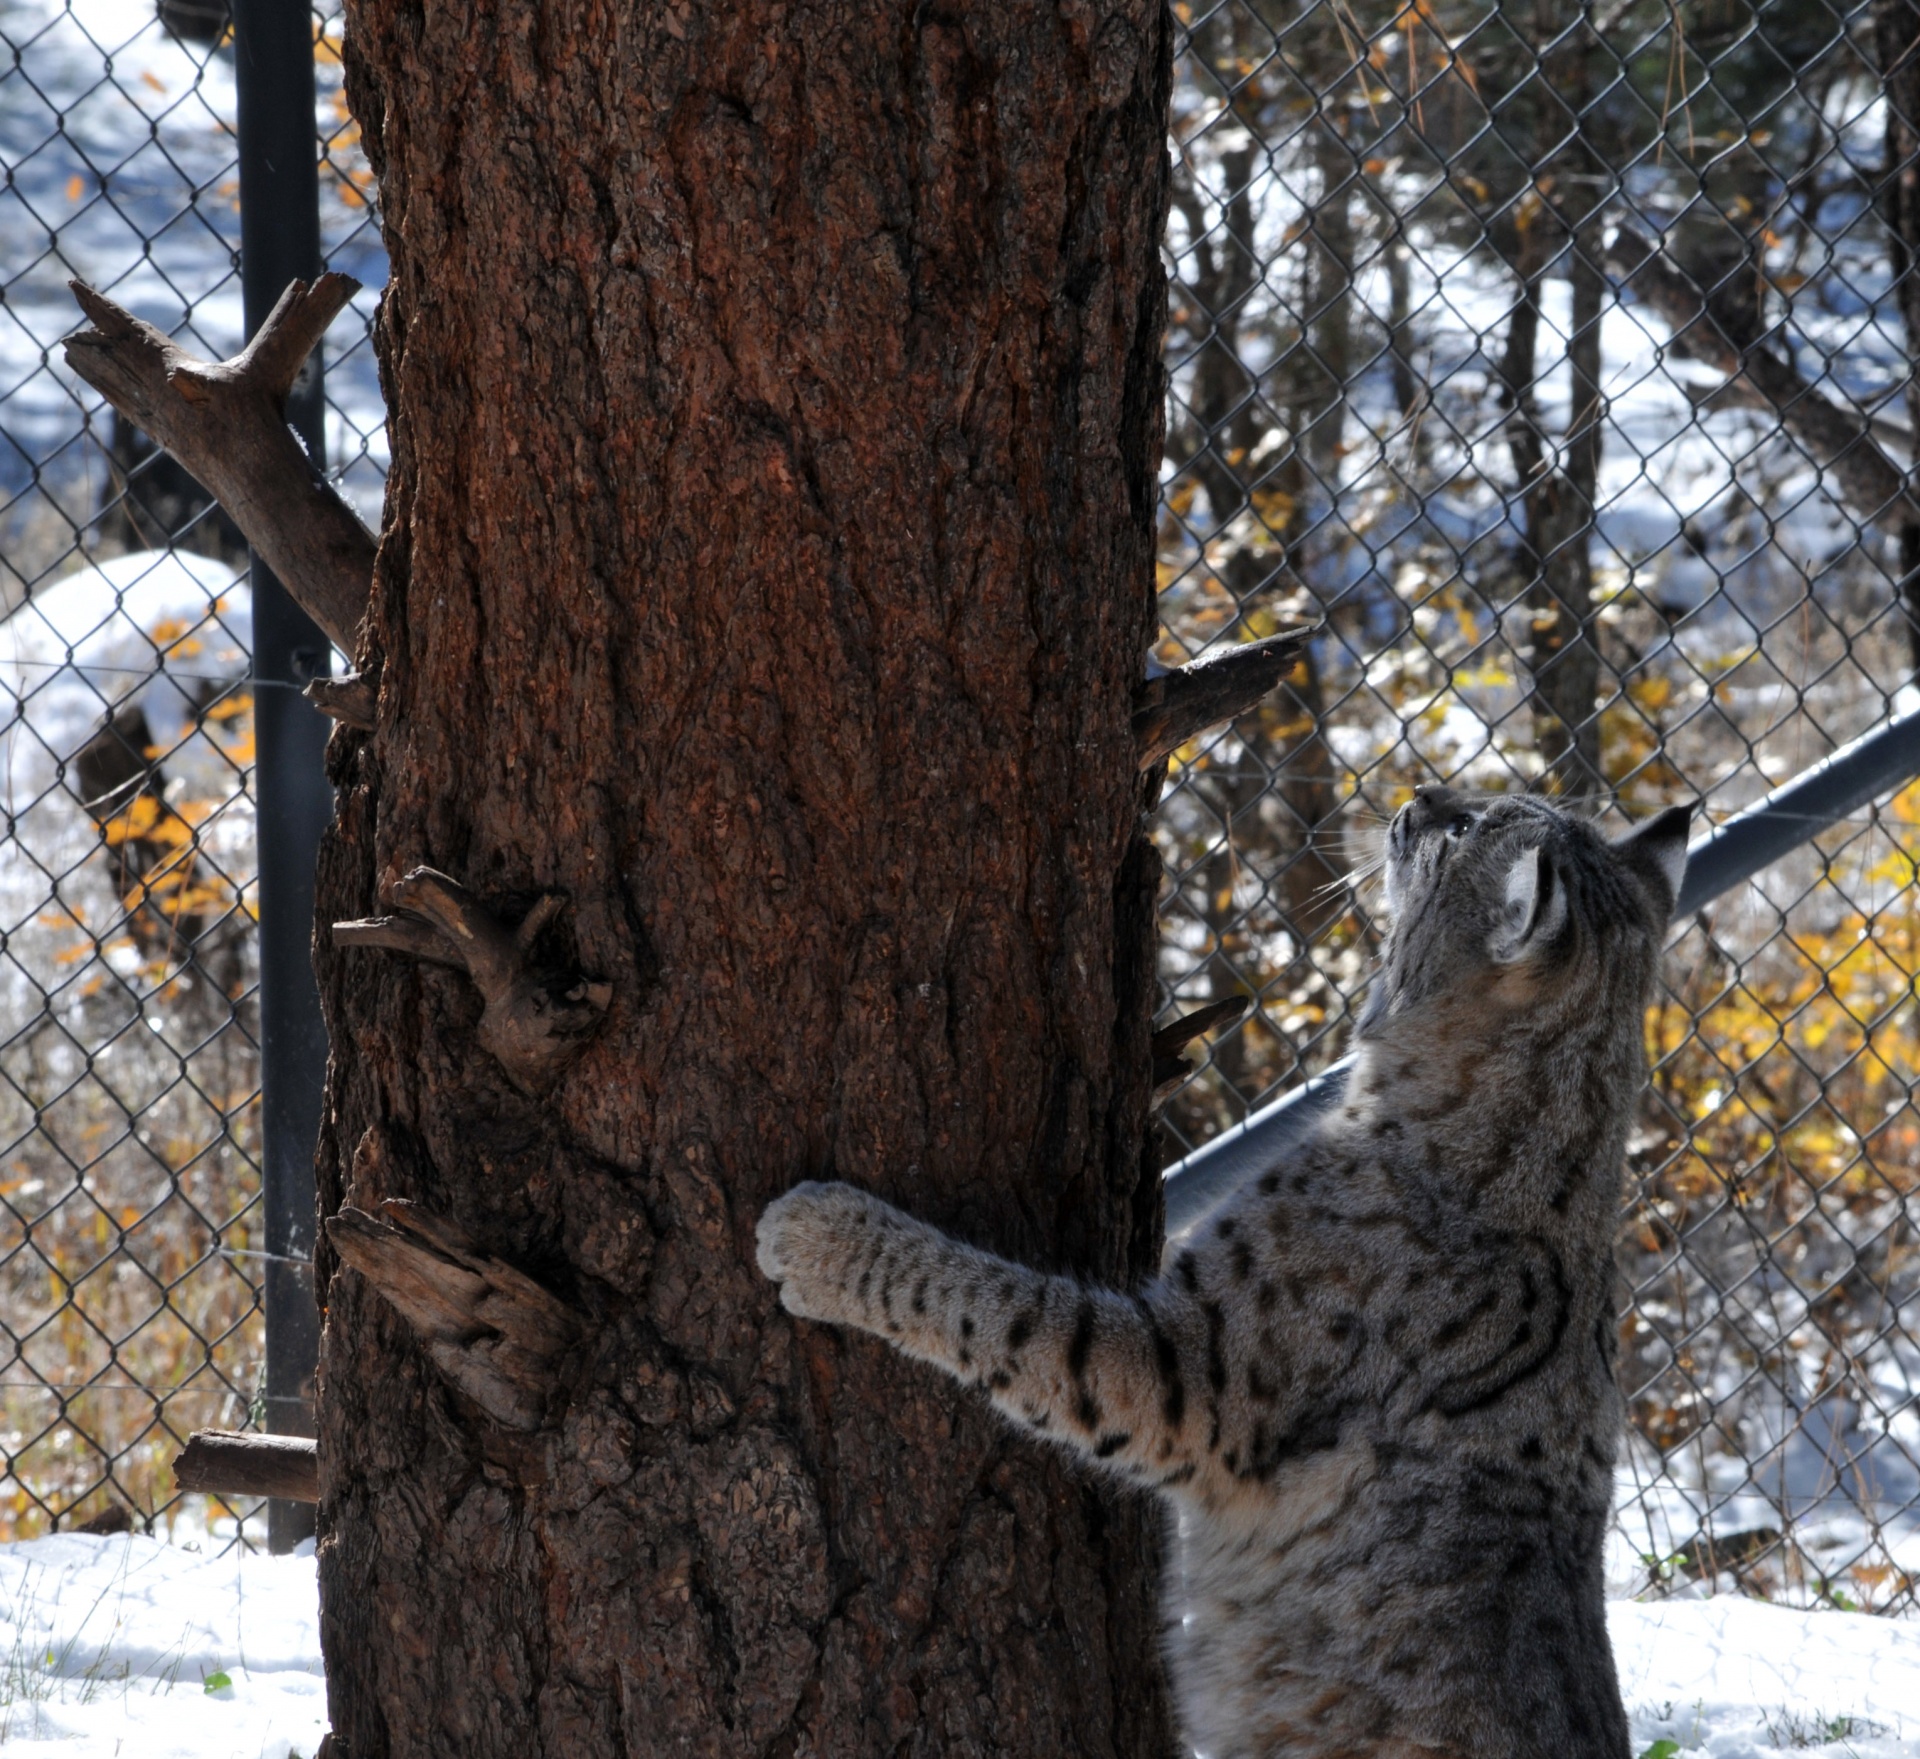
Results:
[280, 242]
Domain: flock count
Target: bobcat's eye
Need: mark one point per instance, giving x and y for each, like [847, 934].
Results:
[1460, 824]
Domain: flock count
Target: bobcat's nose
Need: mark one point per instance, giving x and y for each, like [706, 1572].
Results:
[1437, 808]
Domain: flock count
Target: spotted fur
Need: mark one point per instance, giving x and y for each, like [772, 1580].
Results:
[1376, 1386]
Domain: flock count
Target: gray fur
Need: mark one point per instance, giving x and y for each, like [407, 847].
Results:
[1377, 1388]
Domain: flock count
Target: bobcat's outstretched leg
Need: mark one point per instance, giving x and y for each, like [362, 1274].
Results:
[1108, 1374]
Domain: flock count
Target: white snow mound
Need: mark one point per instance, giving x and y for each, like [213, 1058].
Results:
[1738, 1679]
[109, 1643]
[162, 629]
[112, 1648]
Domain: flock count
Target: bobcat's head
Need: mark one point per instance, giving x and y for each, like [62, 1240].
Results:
[1511, 895]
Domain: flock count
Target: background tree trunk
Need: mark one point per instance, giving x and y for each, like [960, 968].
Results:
[776, 403]
[1897, 45]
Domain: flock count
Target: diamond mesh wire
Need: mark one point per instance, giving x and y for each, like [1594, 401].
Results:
[1556, 356]
[1565, 530]
[130, 1209]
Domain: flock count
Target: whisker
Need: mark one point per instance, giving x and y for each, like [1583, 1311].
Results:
[1354, 878]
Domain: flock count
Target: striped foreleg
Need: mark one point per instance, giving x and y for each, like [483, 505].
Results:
[1106, 1374]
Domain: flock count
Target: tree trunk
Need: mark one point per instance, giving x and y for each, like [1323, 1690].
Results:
[1560, 502]
[1557, 486]
[776, 402]
[1897, 44]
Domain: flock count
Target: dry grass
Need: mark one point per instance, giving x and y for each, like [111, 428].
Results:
[129, 1158]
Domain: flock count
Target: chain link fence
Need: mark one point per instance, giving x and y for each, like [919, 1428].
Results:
[130, 1153]
[1554, 357]
[1557, 358]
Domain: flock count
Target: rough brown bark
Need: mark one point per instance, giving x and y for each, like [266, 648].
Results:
[768, 574]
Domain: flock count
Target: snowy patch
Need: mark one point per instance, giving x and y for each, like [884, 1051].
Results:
[110, 1646]
[164, 630]
[120, 1647]
[1737, 1679]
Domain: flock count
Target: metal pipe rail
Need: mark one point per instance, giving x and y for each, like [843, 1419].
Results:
[1794, 813]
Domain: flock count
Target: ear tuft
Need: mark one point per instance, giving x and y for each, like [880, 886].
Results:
[1658, 848]
[1532, 908]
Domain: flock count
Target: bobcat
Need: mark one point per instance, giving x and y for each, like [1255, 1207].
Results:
[1377, 1387]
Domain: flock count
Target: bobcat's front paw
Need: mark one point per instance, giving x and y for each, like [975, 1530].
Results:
[808, 1243]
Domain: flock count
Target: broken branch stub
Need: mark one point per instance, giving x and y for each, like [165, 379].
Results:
[1176, 1035]
[536, 1020]
[1181, 705]
[225, 1462]
[399, 934]
[349, 700]
[492, 1330]
[225, 422]
[1170, 1068]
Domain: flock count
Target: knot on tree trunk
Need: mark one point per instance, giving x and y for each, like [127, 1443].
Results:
[537, 1019]
[495, 1333]
[1181, 705]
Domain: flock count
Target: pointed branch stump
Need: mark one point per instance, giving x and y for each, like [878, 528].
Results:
[536, 1019]
[494, 1332]
[225, 1462]
[225, 422]
[1716, 331]
[349, 700]
[1170, 1068]
[1181, 705]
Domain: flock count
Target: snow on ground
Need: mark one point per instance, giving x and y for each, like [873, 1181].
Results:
[131, 1647]
[164, 630]
[167, 633]
[117, 1647]
[1736, 1679]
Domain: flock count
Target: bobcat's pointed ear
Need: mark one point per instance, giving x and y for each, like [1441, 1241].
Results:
[1658, 849]
[1532, 909]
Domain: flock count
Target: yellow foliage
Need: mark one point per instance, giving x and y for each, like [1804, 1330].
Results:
[1816, 1042]
[229, 707]
[1274, 507]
